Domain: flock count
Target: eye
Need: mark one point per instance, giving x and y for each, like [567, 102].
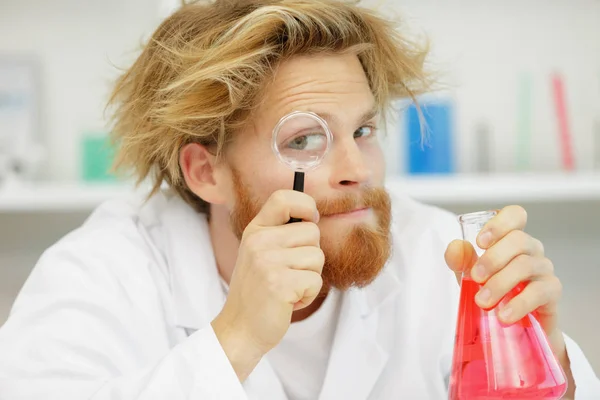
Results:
[299, 143]
[364, 131]
[310, 142]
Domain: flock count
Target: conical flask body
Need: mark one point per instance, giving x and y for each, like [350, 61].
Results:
[493, 360]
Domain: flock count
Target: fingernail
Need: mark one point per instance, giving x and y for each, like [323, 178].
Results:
[483, 296]
[505, 313]
[317, 216]
[485, 238]
[478, 273]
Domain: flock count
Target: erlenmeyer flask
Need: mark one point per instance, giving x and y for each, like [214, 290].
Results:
[493, 360]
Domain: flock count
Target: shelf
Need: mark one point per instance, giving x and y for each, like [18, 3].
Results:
[460, 189]
[58, 197]
[522, 188]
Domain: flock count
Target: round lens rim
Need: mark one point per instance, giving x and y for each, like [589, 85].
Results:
[311, 165]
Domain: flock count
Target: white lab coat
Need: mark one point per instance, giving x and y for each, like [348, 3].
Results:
[121, 309]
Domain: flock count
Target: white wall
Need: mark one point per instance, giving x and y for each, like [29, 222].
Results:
[77, 43]
[481, 49]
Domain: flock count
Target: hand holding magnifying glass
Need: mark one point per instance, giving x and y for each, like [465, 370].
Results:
[301, 140]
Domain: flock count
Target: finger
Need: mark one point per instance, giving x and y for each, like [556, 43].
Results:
[283, 236]
[295, 235]
[460, 255]
[303, 287]
[283, 205]
[508, 219]
[308, 258]
[502, 252]
[521, 269]
[538, 293]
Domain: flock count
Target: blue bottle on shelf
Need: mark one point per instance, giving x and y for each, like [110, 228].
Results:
[429, 148]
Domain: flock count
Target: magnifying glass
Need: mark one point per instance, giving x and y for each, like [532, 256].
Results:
[301, 140]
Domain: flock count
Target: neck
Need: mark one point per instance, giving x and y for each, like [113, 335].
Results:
[224, 240]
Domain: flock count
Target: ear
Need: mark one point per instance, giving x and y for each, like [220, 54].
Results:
[199, 168]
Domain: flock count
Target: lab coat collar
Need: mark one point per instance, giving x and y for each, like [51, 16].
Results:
[194, 277]
[358, 356]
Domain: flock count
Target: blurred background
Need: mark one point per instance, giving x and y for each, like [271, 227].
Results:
[517, 121]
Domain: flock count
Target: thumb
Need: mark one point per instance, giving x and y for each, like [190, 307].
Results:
[460, 256]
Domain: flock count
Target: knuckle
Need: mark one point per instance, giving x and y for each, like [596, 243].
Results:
[319, 257]
[314, 232]
[547, 292]
[308, 204]
[490, 262]
[532, 267]
[315, 282]
[539, 246]
[278, 199]
[524, 306]
[249, 231]
[520, 238]
[312, 203]
[522, 212]
[250, 251]
[524, 303]
[318, 281]
[529, 244]
[272, 282]
[498, 288]
[558, 286]
[519, 211]
[493, 264]
[262, 259]
[548, 264]
[255, 240]
[525, 265]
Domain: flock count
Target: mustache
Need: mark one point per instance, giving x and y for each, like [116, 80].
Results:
[372, 197]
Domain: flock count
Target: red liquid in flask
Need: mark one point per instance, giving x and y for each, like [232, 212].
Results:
[497, 361]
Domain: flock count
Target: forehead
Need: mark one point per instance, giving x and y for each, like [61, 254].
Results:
[328, 85]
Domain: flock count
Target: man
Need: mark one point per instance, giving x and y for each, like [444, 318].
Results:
[206, 291]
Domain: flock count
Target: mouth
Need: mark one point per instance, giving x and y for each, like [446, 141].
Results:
[356, 213]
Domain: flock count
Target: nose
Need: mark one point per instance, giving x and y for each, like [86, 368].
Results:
[349, 168]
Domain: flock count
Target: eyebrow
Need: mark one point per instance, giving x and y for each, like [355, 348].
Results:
[366, 116]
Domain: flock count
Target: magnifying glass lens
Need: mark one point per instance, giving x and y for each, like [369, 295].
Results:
[301, 141]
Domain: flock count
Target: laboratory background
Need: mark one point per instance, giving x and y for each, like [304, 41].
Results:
[515, 119]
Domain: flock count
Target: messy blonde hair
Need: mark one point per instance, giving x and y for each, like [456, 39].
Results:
[203, 70]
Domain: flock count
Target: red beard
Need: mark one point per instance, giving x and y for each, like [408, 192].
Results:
[352, 262]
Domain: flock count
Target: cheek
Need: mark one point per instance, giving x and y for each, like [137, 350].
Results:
[264, 175]
[374, 157]
[276, 178]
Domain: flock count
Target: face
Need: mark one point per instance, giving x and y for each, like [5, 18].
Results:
[354, 208]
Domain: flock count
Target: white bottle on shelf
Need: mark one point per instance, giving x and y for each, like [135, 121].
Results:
[596, 144]
[482, 148]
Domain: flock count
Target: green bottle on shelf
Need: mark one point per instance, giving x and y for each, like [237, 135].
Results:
[97, 156]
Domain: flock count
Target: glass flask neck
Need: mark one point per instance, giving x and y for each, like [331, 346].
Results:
[471, 224]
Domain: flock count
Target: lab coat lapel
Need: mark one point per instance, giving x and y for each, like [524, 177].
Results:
[358, 356]
[194, 278]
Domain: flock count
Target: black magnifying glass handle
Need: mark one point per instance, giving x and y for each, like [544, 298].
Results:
[299, 187]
